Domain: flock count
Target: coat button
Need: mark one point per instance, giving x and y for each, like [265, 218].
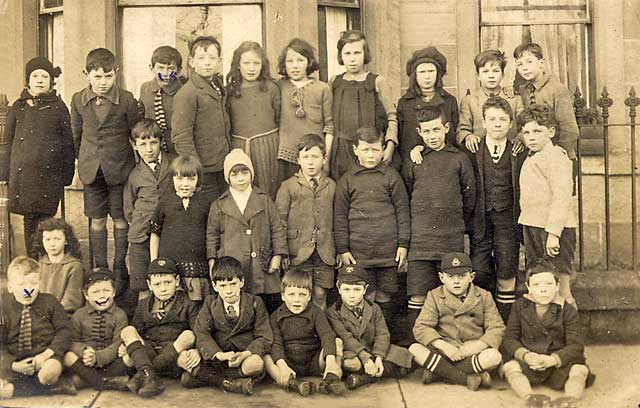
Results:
[253, 254]
[22, 139]
[19, 168]
[248, 232]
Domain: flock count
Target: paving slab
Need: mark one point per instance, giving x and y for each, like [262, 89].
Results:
[85, 398]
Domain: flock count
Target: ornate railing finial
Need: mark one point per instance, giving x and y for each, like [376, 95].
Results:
[632, 101]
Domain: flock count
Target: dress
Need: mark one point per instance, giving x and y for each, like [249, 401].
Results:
[254, 129]
[182, 235]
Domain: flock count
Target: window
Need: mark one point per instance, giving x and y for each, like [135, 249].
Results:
[335, 17]
[51, 36]
[561, 27]
[145, 28]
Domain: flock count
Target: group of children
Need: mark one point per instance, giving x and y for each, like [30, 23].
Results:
[321, 177]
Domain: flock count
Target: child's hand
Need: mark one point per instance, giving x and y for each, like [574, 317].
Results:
[193, 359]
[387, 156]
[212, 263]
[25, 366]
[347, 259]
[89, 357]
[370, 367]
[286, 262]
[472, 142]
[472, 347]
[338, 262]
[533, 360]
[553, 245]
[238, 358]
[274, 266]
[547, 361]
[509, 92]
[122, 350]
[401, 257]
[284, 374]
[451, 351]
[518, 145]
[416, 154]
[224, 356]
[38, 360]
[379, 367]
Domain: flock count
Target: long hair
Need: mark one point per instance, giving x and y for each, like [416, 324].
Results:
[72, 246]
[234, 77]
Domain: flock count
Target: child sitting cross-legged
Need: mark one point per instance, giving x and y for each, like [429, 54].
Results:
[459, 329]
[368, 353]
[303, 341]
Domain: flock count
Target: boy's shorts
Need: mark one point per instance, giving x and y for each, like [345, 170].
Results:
[101, 199]
[308, 364]
[323, 275]
[422, 276]
[384, 278]
[535, 241]
[552, 377]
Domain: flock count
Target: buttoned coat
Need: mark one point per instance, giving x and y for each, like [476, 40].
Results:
[445, 317]
[252, 238]
[308, 217]
[251, 332]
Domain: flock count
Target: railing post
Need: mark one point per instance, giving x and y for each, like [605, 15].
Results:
[605, 103]
[632, 101]
[5, 230]
[578, 106]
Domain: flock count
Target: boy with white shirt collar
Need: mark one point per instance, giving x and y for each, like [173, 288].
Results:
[495, 234]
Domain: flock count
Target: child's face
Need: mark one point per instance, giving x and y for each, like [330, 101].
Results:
[101, 82]
[529, 66]
[426, 76]
[148, 148]
[490, 75]
[353, 56]
[185, 185]
[457, 284]
[352, 293]
[163, 285]
[311, 161]
[497, 123]
[229, 290]
[250, 66]
[53, 242]
[433, 133]
[296, 65]
[39, 82]
[536, 136]
[369, 154]
[100, 294]
[543, 287]
[165, 74]
[25, 288]
[296, 299]
[206, 63]
[240, 178]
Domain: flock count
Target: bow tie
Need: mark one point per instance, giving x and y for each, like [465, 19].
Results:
[357, 311]
[185, 202]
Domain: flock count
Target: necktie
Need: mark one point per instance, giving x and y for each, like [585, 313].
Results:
[496, 155]
[161, 118]
[462, 298]
[357, 311]
[532, 95]
[24, 338]
[162, 312]
[314, 184]
[185, 202]
[98, 330]
[155, 166]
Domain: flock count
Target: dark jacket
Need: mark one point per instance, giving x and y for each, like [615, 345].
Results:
[371, 215]
[180, 317]
[558, 332]
[104, 145]
[308, 218]
[443, 194]
[83, 333]
[476, 159]
[252, 331]
[148, 92]
[41, 156]
[253, 238]
[200, 123]
[408, 107]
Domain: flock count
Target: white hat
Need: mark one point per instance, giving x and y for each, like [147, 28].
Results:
[236, 156]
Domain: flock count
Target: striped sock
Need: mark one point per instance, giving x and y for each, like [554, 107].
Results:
[504, 301]
[440, 366]
[471, 365]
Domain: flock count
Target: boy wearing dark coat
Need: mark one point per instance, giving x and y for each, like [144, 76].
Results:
[371, 219]
[102, 116]
[368, 352]
[443, 194]
[232, 333]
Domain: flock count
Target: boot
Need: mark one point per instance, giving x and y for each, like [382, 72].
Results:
[64, 386]
[238, 385]
[474, 381]
[118, 383]
[302, 387]
[485, 379]
[135, 382]
[331, 384]
[151, 384]
[354, 381]
[188, 380]
[6, 389]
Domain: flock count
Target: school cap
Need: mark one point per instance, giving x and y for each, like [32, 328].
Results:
[162, 266]
[455, 263]
[429, 54]
[352, 274]
[99, 274]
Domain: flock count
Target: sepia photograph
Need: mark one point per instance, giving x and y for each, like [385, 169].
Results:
[331, 203]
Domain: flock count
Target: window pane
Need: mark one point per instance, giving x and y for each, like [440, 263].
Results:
[146, 28]
[57, 49]
[336, 23]
[502, 12]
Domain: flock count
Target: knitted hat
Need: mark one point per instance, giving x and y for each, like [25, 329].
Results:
[455, 263]
[41, 63]
[429, 54]
[162, 266]
[236, 156]
[352, 274]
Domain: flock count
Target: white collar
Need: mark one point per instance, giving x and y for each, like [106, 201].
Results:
[241, 197]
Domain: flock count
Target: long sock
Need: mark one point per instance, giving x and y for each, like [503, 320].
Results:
[88, 374]
[519, 383]
[412, 314]
[121, 244]
[440, 366]
[576, 383]
[504, 301]
[393, 370]
[388, 311]
[139, 355]
[470, 365]
[99, 247]
[208, 375]
[165, 359]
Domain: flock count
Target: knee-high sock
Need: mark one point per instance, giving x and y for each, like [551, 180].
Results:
[413, 311]
[576, 382]
[470, 365]
[121, 244]
[519, 383]
[99, 247]
[388, 311]
[208, 374]
[89, 374]
[440, 366]
[165, 359]
[504, 302]
[139, 356]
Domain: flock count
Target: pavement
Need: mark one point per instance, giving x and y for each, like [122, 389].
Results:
[617, 386]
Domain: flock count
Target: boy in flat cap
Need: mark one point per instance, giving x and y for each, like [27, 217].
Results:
[459, 329]
[160, 340]
[93, 358]
[368, 352]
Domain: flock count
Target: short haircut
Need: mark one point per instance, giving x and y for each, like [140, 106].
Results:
[145, 129]
[429, 113]
[539, 114]
[498, 103]
[204, 42]
[187, 166]
[368, 135]
[542, 266]
[227, 268]
[24, 265]
[166, 55]
[351, 36]
[311, 140]
[303, 48]
[100, 58]
[533, 48]
[490, 56]
[296, 279]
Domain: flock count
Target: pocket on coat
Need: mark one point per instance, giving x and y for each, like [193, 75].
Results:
[314, 112]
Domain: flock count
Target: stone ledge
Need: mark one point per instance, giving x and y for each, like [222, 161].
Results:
[607, 290]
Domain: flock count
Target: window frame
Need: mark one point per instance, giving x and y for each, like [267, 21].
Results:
[355, 17]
